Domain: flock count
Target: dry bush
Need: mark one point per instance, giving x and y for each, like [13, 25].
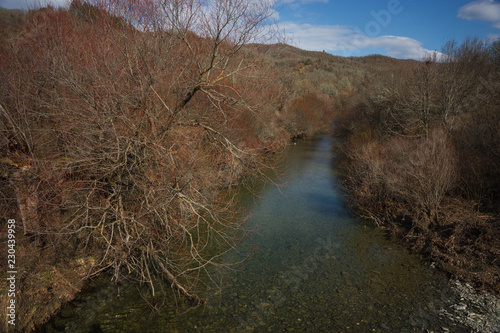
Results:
[469, 250]
[458, 94]
[420, 172]
[402, 176]
[475, 127]
[424, 148]
[406, 100]
[307, 115]
[118, 140]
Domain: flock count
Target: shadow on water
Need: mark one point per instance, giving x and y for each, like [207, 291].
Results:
[317, 269]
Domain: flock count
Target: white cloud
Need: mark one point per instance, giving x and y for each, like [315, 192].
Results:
[347, 40]
[396, 46]
[484, 10]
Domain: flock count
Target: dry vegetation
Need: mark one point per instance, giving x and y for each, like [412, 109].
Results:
[421, 156]
[120, 146]
[117, 142]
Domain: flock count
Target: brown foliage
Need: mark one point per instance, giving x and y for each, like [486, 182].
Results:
[308, 114]
[468, 246]
[424, 144]
[416, 173]
[117, 141]
[420, 172]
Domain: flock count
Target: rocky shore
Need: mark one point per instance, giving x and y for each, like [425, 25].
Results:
[478, 311]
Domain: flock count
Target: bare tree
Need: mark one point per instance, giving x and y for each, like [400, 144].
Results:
[130, 125]
[408, 102]
[421, 172]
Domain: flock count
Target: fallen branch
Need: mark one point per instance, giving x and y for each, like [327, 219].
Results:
[176, 284]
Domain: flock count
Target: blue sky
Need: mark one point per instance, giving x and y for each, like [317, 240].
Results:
[401, 29]
[397, 28]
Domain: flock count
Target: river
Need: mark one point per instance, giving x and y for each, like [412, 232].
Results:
[317, 268]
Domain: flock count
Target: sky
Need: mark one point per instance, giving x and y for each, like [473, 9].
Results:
[401, 29]
[405, 29]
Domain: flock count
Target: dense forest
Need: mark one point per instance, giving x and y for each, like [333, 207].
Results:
[125, 128]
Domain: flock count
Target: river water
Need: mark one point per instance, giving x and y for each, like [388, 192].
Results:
[317, 268]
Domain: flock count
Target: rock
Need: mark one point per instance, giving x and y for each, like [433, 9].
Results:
[486, 309]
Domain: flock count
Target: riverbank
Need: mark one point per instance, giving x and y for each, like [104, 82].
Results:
[317, 269]
[462, 241]
[427, 175]
[480, 311]
[465, 248]
[122, 158]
